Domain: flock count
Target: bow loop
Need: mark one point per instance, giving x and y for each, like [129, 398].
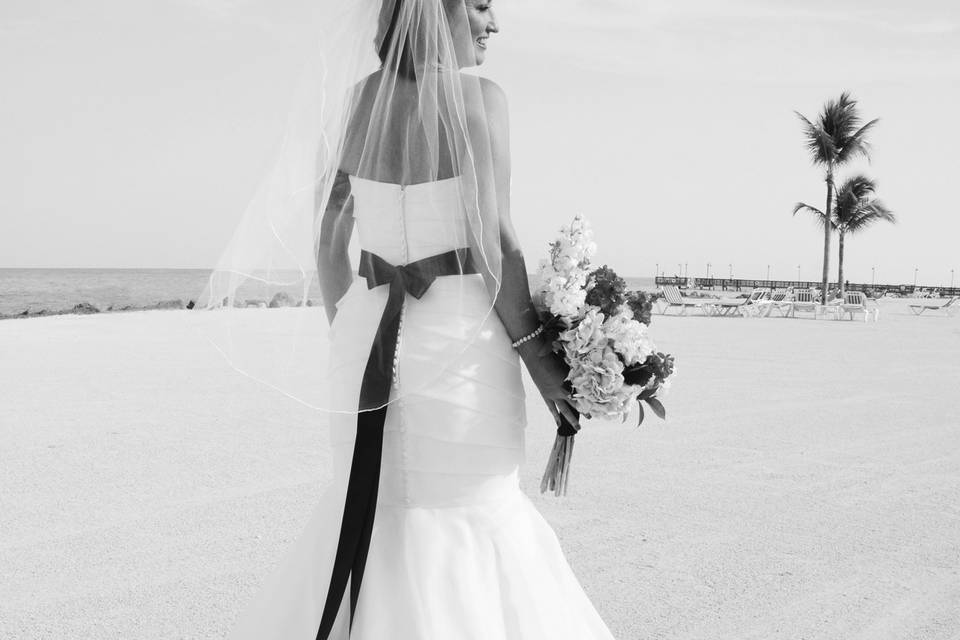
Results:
[416, 280]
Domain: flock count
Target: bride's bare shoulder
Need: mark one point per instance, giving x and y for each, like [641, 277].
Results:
[488, 99]
[494, 97]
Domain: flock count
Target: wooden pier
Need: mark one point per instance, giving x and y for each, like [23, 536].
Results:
[740, 284]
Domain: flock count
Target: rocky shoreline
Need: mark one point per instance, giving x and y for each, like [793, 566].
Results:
[281, 299]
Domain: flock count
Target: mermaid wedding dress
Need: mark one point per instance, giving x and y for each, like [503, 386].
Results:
[458, 551]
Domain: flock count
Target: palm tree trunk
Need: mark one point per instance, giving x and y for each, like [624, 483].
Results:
[826, 239]
[840, 268]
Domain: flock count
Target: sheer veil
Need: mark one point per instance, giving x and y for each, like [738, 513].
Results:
[384, 97]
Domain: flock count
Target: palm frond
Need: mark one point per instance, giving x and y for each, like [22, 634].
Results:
[820, 216]
[818, 142]
[869, 214]
[856, 144]
[840, 118]
[853, 190]
[855, 207]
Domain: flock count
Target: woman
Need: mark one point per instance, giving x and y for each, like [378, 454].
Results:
[423, 532]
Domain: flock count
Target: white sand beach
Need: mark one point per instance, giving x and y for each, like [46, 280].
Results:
[806, 484]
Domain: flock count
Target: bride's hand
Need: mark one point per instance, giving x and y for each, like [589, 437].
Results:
[549, 372]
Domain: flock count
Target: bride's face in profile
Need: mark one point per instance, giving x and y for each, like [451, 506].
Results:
[472, 22]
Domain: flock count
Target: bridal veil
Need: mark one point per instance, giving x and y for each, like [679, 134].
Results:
[385, 96]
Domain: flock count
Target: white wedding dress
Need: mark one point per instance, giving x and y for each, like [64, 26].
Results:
[458, 551]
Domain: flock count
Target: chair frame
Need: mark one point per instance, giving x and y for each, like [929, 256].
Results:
[949, 308]
[777, 300]
[673, 298]
[856, 302]
[803, 301]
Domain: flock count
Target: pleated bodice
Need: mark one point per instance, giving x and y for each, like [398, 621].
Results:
[404, 223]
[454, 428]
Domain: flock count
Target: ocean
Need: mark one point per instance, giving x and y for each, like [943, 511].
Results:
[59, 290]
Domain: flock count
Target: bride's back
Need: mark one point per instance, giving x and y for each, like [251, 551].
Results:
[397, 135]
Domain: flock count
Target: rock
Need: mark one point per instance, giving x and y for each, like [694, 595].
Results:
[191, 304]
[169, 304]
[282, 299]
[84, 308]
[26, 313]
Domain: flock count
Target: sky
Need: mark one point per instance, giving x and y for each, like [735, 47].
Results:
[133, 132]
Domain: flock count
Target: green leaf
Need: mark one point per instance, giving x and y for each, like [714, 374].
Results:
[657, 407]
[640, 406]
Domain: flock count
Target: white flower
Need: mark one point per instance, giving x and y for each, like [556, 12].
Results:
[562, 280]
[563, 294]
[585, 338]
[630, 338]
[565, 297]
[597, 379]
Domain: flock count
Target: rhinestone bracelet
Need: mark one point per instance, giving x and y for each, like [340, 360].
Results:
[530, 336]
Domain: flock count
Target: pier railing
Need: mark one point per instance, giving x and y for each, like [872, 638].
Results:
[740, 284]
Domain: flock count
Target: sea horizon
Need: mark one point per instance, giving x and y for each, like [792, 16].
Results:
[29, 291]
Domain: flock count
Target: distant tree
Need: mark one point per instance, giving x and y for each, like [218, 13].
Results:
[833, 140]
[854, 209]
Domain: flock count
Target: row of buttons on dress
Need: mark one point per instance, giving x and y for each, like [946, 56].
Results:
[402, 428]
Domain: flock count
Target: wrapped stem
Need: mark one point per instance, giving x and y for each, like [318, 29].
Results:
[557, 473]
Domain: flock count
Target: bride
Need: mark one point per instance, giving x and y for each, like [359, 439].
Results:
[422, 531]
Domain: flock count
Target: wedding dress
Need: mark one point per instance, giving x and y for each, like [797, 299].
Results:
[458, 551]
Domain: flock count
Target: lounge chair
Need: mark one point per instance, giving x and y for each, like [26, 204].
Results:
[743, 306]
[777, 300]
[803, 302]
[949, 308]
[854, 302]
[754, 304]
[672, 298]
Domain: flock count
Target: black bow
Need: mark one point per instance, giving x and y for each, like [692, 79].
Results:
[361, 501]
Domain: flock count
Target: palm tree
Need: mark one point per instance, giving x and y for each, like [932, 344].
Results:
[854, 209]
[833, 140]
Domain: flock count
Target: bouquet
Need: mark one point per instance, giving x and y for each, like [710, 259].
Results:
[601, 330]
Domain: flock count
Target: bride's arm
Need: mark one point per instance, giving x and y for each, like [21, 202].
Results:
[513, 303]
[333, 260]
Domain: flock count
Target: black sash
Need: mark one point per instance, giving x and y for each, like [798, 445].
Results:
[361, 502]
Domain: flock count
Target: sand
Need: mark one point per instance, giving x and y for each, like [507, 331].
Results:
[806, 484]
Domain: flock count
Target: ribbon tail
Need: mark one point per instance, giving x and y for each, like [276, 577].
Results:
[357, 522]
[359, 509]
[370, 424]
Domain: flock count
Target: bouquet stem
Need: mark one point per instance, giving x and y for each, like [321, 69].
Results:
[557, 473]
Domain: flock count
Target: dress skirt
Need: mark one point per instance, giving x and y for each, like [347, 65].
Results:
[458, 551]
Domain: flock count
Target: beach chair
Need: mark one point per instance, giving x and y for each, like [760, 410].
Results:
[754, 306]
[833, 308]
[854, 302]
[775, 301]
[949, 308]
[782, 300]
[673, 299]
[803, 302]
[743, 306]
